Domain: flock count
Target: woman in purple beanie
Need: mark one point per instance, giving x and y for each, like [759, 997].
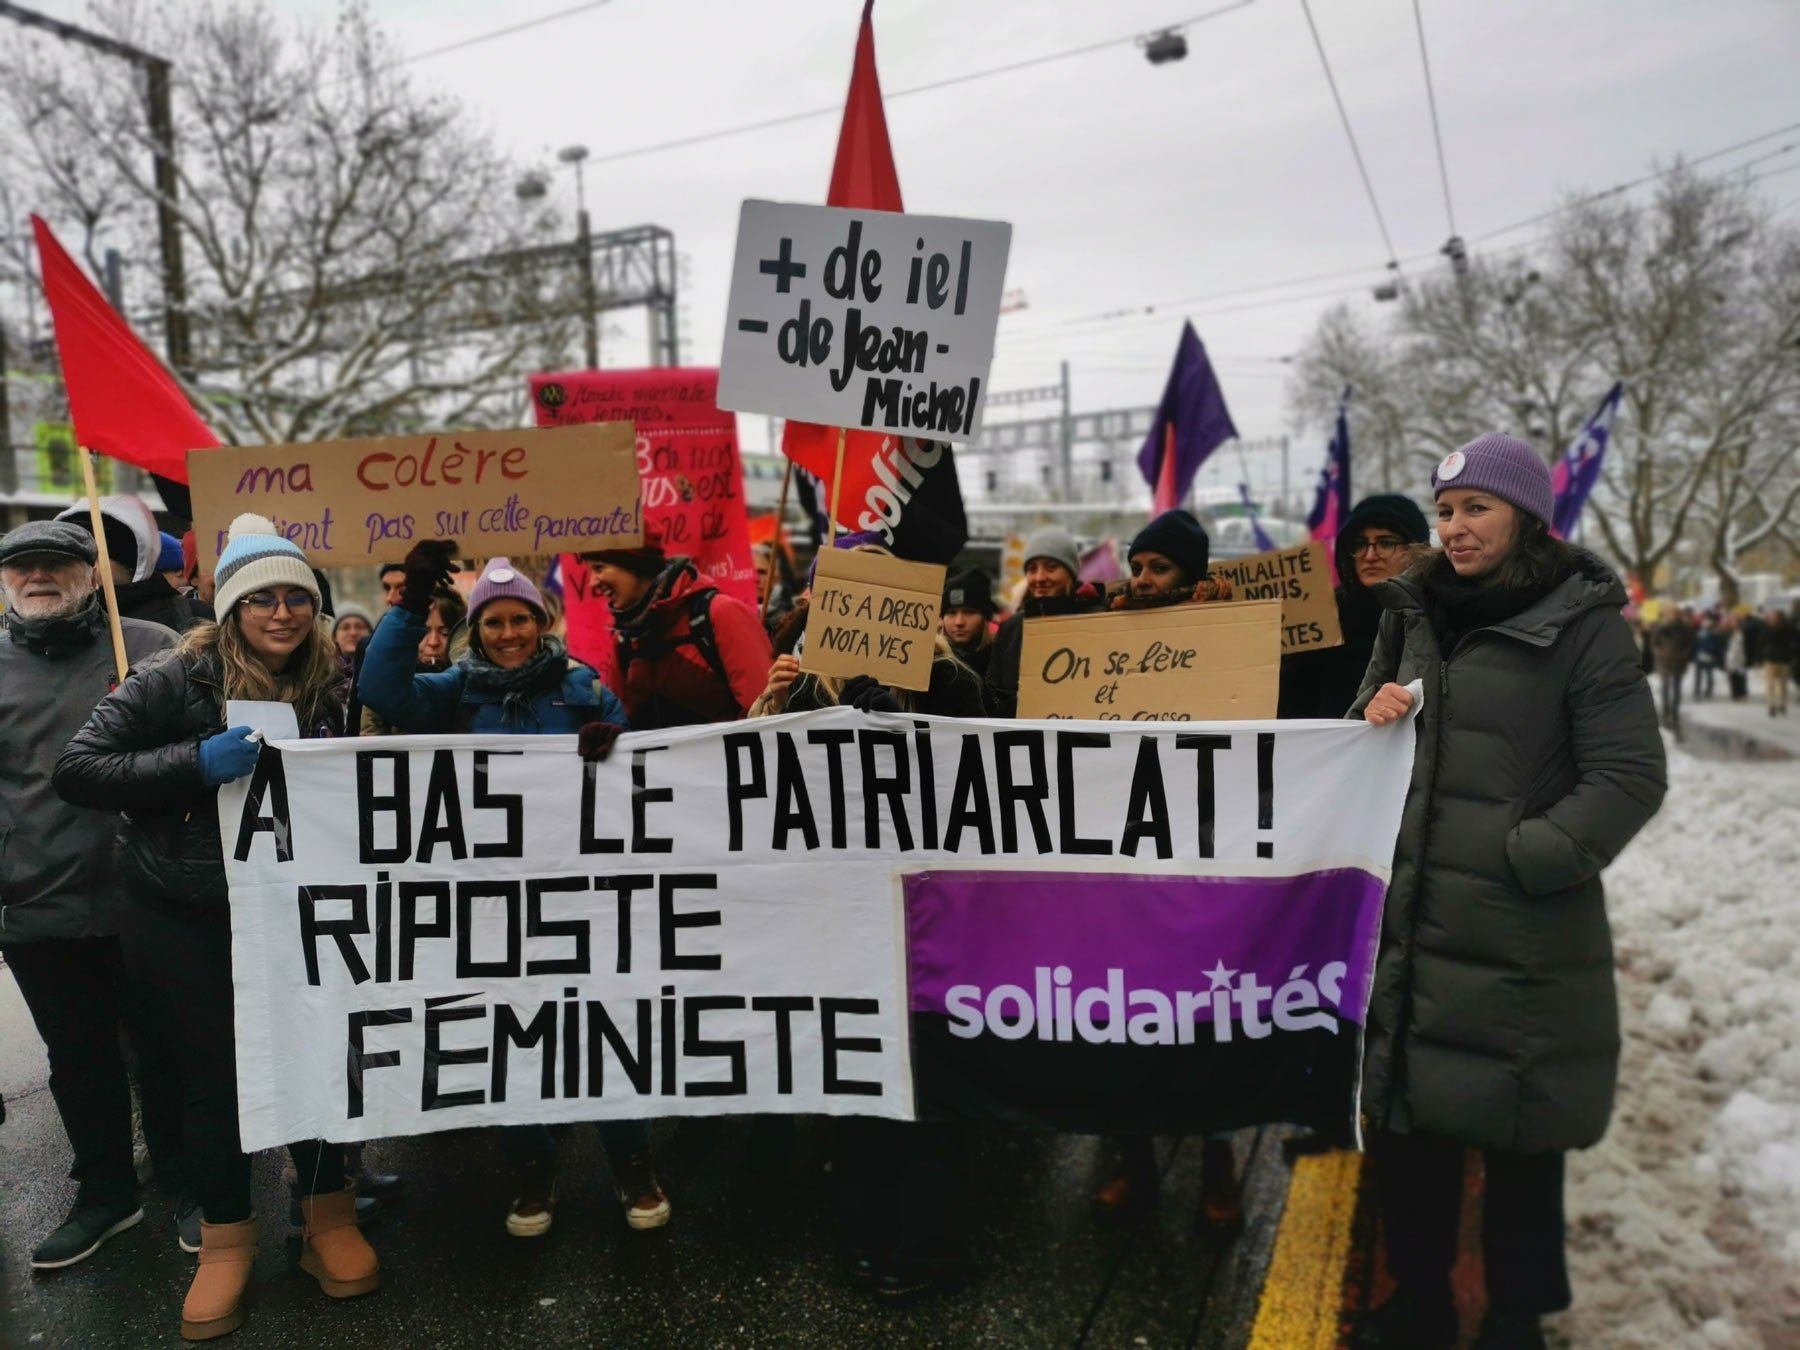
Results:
[1493, 1021]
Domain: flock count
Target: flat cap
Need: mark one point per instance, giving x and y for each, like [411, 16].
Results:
[48, 536]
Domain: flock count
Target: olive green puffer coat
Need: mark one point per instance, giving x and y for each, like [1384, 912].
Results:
[1493, 1019]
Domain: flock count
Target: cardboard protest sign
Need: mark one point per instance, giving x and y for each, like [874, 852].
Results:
[1177, 663]
[869, 320]
[510, 491]
[1074, 927]
[1298, 577]
[873, 615]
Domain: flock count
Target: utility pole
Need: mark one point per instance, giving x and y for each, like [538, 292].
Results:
[1068, 441]
[161, 121]
[584, 242]
[9, 463]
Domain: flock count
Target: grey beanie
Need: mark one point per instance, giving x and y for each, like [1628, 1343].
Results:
[1056, 544]
[49, 536]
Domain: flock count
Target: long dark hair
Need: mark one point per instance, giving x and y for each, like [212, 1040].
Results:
[1536, 561]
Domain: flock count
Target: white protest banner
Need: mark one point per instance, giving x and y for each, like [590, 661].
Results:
[868, 320]
[1078, 925]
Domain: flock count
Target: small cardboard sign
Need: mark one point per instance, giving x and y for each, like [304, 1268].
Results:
[511, 491]
[1301, 579]
[870, 320]
[873, 615]
[1176, 663]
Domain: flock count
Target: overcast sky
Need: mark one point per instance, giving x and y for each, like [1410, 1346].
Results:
[1127, 185]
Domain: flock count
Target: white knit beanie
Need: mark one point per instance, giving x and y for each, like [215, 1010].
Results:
[256, 558]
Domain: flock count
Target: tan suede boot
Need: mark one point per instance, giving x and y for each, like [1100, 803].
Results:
[337, 1255]
[215, 1300]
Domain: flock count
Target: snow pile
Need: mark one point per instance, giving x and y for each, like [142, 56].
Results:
[1684, 1224]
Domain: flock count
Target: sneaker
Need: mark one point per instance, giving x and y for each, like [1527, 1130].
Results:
[1407, 1322]
[82, 1233]
[187, 1225]
[535, 1205]
[1130, 1196]
[645, 1204]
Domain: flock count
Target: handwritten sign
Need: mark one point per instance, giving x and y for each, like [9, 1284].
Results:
[873, 615]
[1178, 663]
[1301, 579]
[649, 397]
[350, 502]
[869, 320]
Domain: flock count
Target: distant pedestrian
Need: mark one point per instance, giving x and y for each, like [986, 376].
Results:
[1672, 646]
[1709, 655]
[1737, 661]
[1780, 653]
[1493, 1020]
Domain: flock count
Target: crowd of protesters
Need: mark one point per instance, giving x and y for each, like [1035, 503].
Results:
[1492, 1022]
[1711, 640]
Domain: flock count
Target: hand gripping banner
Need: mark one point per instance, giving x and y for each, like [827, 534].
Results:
[1059, 925]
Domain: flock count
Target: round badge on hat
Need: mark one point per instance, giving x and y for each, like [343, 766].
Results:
[502, 575]
[1451, 466]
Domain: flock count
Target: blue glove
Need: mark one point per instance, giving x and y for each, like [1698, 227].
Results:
[228, 755]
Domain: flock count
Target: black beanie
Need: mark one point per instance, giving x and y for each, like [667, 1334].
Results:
[969, 588]
[1179, 538]
[1400, 514]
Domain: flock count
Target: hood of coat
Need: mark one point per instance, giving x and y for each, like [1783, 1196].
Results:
[1592, 585]
[135, 516]
[665, 600]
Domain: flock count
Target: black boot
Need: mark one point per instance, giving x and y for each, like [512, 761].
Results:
[1510, 1331]
[1408, 1322]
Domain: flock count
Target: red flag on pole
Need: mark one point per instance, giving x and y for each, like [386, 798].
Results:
[863, 175]
[121, 399]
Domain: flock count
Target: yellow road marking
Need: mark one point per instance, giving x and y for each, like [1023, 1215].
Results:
[1303, 1292]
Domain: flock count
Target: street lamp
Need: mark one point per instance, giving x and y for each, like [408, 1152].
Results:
[584, 242]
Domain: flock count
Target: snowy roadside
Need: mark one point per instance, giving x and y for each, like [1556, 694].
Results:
[1684, 1223]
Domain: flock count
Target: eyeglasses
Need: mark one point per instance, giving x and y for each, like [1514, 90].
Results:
[1381, 548]
[261, 602]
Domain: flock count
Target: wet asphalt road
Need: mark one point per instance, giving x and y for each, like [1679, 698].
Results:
[749, 1259]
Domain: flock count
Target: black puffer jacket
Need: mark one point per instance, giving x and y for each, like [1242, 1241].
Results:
[1000, 687]
[1493, 1019]
[140, 754]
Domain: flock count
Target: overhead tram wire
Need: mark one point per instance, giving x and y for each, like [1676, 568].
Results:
[507, 31]
[1350, 134]
[1437, 133]
[889, 95]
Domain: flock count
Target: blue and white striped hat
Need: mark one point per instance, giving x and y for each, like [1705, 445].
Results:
[256, 557]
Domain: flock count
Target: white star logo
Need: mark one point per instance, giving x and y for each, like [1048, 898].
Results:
[1220, 977]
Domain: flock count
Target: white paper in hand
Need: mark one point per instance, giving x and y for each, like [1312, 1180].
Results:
[276, 721]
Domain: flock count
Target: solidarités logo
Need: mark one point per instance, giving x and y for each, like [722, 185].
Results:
[1054, 1010]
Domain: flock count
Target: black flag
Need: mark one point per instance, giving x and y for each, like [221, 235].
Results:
[915, 504]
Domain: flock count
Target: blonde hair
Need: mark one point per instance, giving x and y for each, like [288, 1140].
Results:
[313, 671]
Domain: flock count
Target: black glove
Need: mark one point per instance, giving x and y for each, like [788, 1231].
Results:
[595, 741]
[865, 694]
[429, 566]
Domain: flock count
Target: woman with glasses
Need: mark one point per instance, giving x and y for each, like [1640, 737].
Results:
[517, 678]
[1376, 543]
[157, 748]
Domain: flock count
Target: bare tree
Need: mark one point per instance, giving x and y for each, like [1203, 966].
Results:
[352, 244]
[1693, 300]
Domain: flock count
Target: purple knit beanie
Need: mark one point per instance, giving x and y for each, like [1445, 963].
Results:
[500, 582]
[1503, 465]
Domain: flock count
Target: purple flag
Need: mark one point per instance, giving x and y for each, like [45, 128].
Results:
[1257, 532]
[1332, 506]
[1191, 422]
[1578, 470]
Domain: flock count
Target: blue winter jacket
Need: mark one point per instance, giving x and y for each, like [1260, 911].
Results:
[444, 702]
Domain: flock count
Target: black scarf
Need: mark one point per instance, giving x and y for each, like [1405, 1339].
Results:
[519, 686]
[627, 622]
[1459, 605]
[58, 637]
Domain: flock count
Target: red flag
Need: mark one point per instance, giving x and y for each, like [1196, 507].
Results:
[121, 399]
[862, 176]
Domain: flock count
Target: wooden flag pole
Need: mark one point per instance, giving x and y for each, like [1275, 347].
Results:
[105, 563]
[837, 483]
[775, 543]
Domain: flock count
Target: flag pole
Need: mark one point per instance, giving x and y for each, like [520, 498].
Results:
[837, 482]
[775, 543]
[105, 563]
